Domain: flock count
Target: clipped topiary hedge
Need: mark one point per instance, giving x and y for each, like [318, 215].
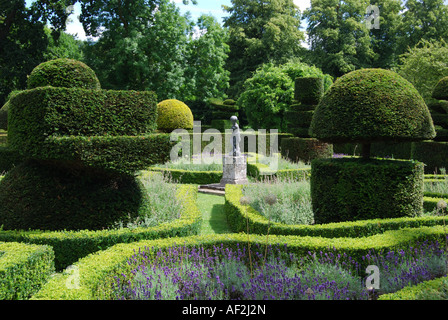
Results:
[309, 90]
[359, 189]
[433, 154]
[174, 114]
[96, 272]
[415, 292]
[8, 159]
[303, 149]
[24, 268]
[190, 176]
[70, 246]
[66, 73]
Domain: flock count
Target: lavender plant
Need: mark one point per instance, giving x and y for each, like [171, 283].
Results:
[293, 200]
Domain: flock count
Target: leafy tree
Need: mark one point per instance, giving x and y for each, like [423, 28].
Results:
[260, 32]
[269, 92]
[64, 46]
[206, 56]
[338, 36]
[424, 65]
[426, 20]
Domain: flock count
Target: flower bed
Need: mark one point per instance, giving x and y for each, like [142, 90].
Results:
[98, 271]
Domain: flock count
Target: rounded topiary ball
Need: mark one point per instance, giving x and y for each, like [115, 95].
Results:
[66, 73]
[174, 114]
[370, 105]
[441, 90]
[41, 196]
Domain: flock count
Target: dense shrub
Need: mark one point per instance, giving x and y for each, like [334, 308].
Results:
[174, 114]
[302, 149]
[433, 154]
[66, 73]
[8, 159]
[309, 90]
[348, 189]
[47, 197]
[441, 89]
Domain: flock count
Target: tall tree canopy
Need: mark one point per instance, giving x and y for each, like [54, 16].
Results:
[261, 32]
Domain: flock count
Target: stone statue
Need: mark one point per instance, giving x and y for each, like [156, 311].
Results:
[236, 138]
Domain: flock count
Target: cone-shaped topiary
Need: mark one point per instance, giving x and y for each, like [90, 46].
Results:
[65, 73]
[372, 105]
[174, 114]
[441, 89]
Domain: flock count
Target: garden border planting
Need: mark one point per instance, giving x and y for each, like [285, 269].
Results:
[242, 217]
[70, 246]
[24, 268]
[411, 292]
[96, 271]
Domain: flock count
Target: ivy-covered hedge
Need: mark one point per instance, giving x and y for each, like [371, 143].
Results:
[243, 217]
[24, 268]
[69, 246]
[96, 272]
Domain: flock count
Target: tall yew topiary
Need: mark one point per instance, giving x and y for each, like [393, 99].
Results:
[365, 106]
[83, 147]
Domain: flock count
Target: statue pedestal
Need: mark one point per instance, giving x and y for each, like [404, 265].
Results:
[234, 170]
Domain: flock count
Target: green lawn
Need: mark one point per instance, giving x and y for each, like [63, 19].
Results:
[212, 208]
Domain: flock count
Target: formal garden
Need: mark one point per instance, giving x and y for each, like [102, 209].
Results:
[93, 207]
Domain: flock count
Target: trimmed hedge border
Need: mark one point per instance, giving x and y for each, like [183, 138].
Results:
[97, 270]
[410, 293]
[190, 177]
[258, 170]
[24, 268]
[70, 246]
[241, 217]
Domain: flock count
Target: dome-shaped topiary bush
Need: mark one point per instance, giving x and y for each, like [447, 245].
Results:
[174, 114]
[66, 73]
[372, 105]
[441, 90]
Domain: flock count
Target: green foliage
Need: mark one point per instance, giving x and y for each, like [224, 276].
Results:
[70, 246]
[8, 159]
[372, 105]
[424, 65]
[60, 198]
[190, 176]
[436, 289]
[260, 32]
[43, 118]
[66, 73]
[63, 45]
[269, 92]
[174, 114]
[339, 38]
[303, 149]
[348, 189]
[433, 154]
[309, 90]
[441, 89]
[24, 269]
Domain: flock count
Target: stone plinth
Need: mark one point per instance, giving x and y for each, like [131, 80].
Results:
[234, 170]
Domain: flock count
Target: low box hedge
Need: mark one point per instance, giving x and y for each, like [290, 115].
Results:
[413, 292]
[189, 176]
[24, 268]
[97, 271]
[259, 171]
[243, 217]
[70, 246]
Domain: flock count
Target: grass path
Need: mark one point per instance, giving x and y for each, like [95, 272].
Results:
[213, 215]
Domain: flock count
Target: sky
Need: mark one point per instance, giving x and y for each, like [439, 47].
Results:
[212, 7]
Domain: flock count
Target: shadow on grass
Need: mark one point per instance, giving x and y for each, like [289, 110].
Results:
[218, 220]
[213, 214]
